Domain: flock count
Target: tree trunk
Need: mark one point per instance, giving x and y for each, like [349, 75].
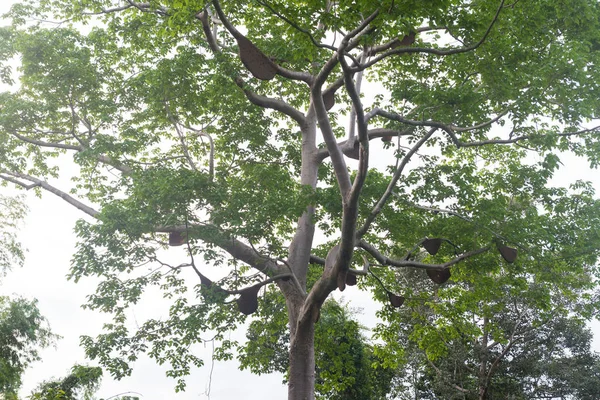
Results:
[301, 385]
[301, 380]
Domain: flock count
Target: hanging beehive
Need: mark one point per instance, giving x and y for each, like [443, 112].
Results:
[508, 253]
[407, 40]
[351, 279]
[248, 300]
[395, 300]
[329, 99]
[439, 276]
[259, 65]
[177, 238]
[432, 245]
[355, 152]
[341, 280]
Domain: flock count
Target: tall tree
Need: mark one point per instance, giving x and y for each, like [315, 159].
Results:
[232, 128]
[511, 346]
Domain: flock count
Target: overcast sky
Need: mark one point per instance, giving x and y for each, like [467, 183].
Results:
[48, 235]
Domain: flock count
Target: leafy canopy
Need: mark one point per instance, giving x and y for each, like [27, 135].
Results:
[160, 108]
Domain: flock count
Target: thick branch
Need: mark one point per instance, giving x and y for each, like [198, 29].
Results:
[46, 186]
[207, 233]
[452, 129]
[375, 133]
[352, 126]
[363, 160]
[261, 101]
[269, 102]
[337, 158]
[384, 260]
[448, 128]
[350, 41]
[339, 165]
[46, 144]
[394, 43]
[212, 234]
[17, 182]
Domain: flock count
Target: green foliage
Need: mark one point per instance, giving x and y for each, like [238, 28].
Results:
[552, 359]
[81, 383]
[503, 334]
[23, 331]
[12, 211]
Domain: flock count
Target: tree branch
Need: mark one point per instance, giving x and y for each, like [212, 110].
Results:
[465, 218]
[347, 145]
[286, 73]
[389, 190]
[442, 376]
[45, 144]
[261, 101]
[207, 233]
[426, 50]
[452, 129]
[46, 186]
[448, 128]
[384, 260]
[184, 145]
[339, 165]
[296, 26]
[269, 102]
[350, 41]
[212, 234]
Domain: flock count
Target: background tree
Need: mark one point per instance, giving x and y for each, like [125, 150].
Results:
[495, 349]
[12, 212]
[80, 384]
[222, 126]
[23, 329]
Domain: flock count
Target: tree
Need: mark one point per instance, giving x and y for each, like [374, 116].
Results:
[82, 380]
[501, 348]
[500, 330]
[222, 125]
[81, 383]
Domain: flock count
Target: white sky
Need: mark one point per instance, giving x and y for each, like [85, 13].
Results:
[48, 234]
